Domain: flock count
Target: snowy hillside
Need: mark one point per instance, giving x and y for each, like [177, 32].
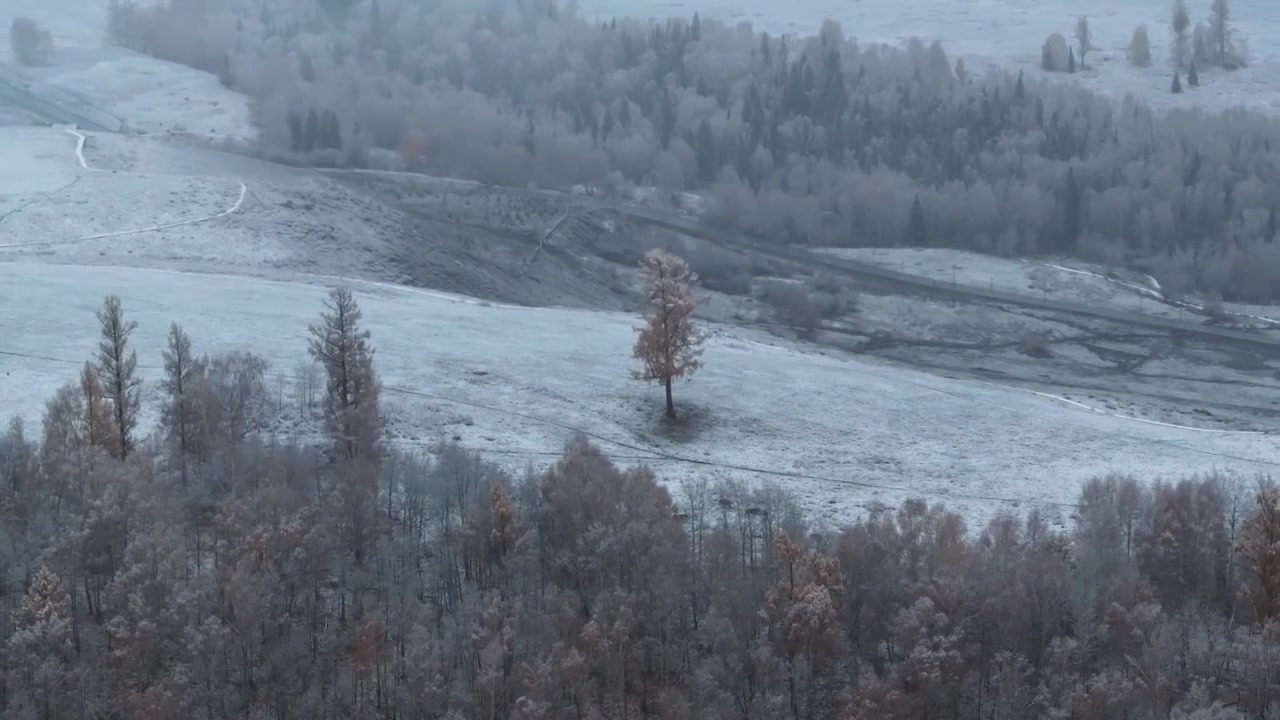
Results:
[90, 75]
[142, 202]
[1010, 33]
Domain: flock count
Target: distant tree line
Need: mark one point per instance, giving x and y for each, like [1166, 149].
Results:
[214, 569]
[810, 140]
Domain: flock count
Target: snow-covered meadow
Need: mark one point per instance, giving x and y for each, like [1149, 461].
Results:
[516, 382]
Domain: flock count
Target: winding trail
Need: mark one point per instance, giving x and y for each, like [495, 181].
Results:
[1154, 292]
[80, 159]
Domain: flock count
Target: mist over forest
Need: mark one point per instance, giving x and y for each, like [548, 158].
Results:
[817, 140]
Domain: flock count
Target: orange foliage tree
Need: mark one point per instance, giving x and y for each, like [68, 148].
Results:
[668, 345]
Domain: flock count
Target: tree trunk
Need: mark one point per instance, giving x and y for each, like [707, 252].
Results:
[671, 406]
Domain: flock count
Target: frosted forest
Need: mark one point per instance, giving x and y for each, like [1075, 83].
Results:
[815, 140]
[211, 568]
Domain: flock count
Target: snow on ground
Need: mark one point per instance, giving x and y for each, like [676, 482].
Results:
[142, 202]
[1010, 33]
[33, 160]
[1066, 280]
[154, 96]
[518, 379]
[150, 95]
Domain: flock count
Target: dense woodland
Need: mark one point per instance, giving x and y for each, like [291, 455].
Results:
[210, 569]
[816, 140]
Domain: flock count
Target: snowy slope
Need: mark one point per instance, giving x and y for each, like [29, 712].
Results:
[1010, 32]
[136, 201]
[1063, 279]
[150, 95]
[505, 379]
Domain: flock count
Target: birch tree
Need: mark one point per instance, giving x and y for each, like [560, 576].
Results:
[1084, 38]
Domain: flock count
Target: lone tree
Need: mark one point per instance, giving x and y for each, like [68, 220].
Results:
[118, 371]
[1179, 23]
[668, 345]
[351, 412]
[1139, 51]
[1055, 54]
[30, 44]
[1084, 38]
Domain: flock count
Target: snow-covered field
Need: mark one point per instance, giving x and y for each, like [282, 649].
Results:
[517, 379]
[127, 215]
[1066, 280]
[140, 201]
[150, 95]
[1010, 33]
[512, 381]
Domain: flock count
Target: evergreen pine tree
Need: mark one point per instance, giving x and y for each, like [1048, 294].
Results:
[606, 125]
[351, 413]
[311, 135]
[704, 149]
[226, 78]
[666, 119]
[1177, 83]
[180, 414]
[295, 131]
[917, 231]
[118, 370]
[1072, 211]
[1193, 76]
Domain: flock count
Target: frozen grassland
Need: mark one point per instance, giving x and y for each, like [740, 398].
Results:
[1062, 279]
[269, 220]
[1009, 33]
[516, 381]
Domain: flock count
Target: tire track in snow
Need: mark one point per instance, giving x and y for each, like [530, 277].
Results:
[1155, 293]
[37, 198]
[80, 159]
[1049, 396]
